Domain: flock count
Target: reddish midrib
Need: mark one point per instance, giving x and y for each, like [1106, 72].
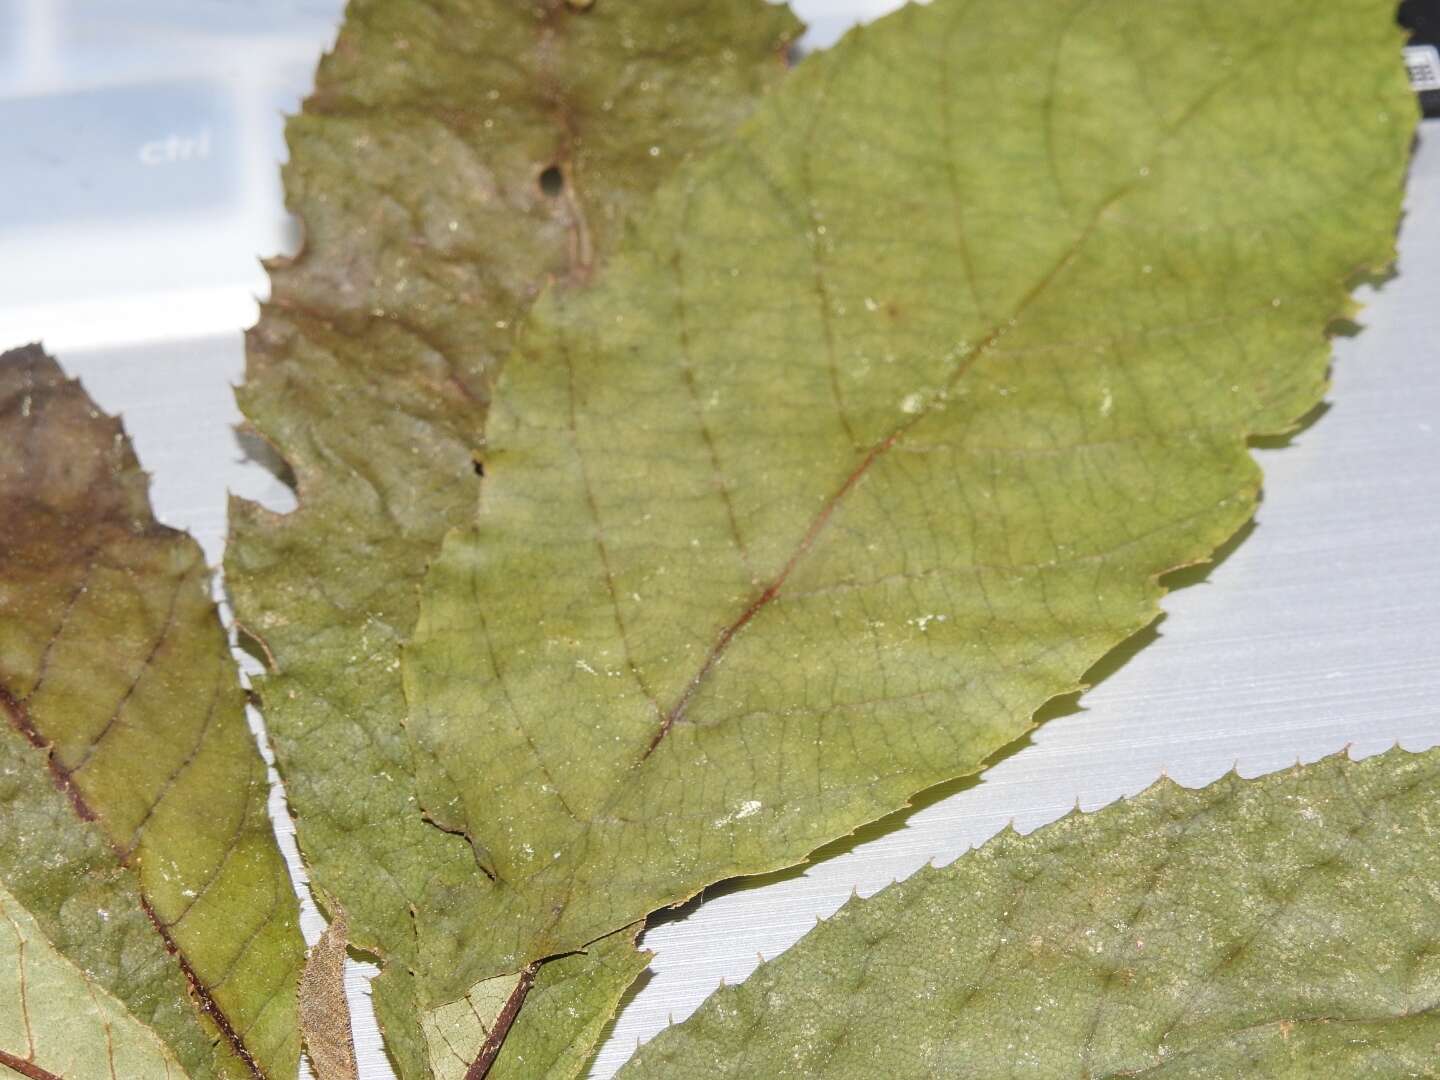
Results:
[772, 590]
[26, 1068]
[490, 1050]
[20, 719]
[827, 511]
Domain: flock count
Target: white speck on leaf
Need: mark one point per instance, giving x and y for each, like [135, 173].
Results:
[746, 809]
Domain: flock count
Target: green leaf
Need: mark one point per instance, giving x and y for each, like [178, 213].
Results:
[585, 986]
[1279, 927]
[879, 433]
[137, 860]
[59, 1021]
[416, 166]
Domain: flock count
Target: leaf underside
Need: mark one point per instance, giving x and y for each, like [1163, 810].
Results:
[880, 431]
[1282, 927]
[54, 1019]
[324, 1011]
[550, 1043]
[416, 166]
[138, 864]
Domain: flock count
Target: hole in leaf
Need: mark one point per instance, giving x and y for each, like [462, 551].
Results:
[552, 181]
[256, 450]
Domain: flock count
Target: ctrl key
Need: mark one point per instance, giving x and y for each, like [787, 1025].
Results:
[118, 153]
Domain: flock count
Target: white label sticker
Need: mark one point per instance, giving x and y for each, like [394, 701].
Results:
[1423, 64]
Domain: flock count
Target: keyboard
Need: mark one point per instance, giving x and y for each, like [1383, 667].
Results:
[140, 184]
